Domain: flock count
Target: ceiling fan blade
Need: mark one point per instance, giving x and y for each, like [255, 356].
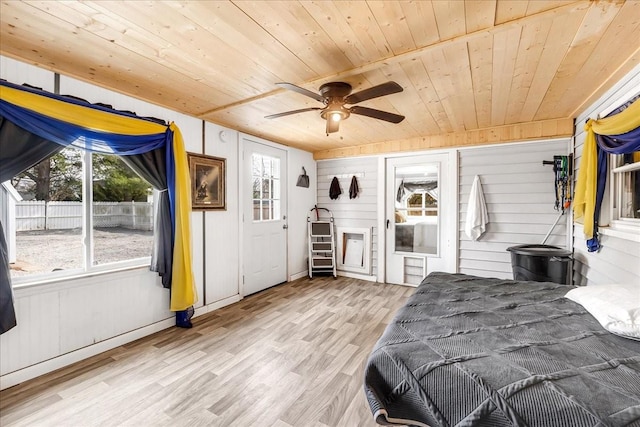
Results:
[286, 113]
[374, 92]
[301, 90]
[332, 126]
[376, 114]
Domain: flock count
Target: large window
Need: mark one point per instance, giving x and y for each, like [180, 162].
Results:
[57, 232]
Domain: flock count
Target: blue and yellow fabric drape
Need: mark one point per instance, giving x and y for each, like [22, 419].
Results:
[100, 129]
[623, 125]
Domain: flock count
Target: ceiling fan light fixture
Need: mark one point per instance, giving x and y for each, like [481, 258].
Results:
[334, 96]
[335, 112]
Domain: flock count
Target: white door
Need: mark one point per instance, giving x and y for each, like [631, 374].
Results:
[264, 204]
[421, 217]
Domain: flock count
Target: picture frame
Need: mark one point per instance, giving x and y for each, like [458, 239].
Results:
[208, 177]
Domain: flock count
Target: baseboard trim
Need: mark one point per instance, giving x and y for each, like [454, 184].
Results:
[30, 372]
[357, 276]
[299, 275]
[216, 305]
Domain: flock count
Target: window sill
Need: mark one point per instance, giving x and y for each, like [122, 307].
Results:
[622, 230]
[27, 283]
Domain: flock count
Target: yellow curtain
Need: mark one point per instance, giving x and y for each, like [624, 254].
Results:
[183, 291]
[585, 198]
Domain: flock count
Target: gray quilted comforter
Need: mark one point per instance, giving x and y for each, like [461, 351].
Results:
[471, 351]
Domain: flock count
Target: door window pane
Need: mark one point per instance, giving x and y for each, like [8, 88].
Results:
[256, 188]
[256, 210]
[267, 209]
[275, 168]
[266, 187]
[266, 190]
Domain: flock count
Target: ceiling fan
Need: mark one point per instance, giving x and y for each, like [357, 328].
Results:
[335, 95]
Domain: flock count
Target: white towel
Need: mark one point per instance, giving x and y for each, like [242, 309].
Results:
[477, 216]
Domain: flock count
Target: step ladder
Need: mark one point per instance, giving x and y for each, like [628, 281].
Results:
[322, 247]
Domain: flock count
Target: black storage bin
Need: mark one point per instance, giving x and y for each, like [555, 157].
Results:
[541, 263]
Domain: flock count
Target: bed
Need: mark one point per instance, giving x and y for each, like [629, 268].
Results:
[472, 351]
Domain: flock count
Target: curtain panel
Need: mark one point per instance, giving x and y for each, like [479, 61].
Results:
[618, 133]
[19, 150]
[152, 167]
[68, 121]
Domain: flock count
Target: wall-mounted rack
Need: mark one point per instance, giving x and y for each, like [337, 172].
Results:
[346, 175]
[562, 170]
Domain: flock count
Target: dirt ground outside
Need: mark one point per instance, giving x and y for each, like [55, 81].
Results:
[44, 251]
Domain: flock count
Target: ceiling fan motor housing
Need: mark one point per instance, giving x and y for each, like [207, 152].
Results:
[335, 89]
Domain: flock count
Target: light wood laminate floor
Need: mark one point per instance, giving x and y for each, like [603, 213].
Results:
[292, 355]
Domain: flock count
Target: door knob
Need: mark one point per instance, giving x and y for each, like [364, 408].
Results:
[285, 226]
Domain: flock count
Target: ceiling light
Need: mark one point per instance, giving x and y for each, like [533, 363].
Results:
[336, 116]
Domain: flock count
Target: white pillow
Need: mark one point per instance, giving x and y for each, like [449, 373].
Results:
[616, 307]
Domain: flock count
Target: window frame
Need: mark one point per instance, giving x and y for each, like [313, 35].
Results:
[87, 269]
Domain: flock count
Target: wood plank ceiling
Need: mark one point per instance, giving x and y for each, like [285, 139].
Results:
[473, 72]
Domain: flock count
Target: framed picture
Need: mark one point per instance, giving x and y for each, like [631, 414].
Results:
[208, 182]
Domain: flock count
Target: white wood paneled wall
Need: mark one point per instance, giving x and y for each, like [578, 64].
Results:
[221, 228]
[299, 200]
[619, 259]
[361, 211]
[59, 318]
[519, 194]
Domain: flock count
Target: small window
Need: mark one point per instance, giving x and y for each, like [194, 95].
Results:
[626, 185]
